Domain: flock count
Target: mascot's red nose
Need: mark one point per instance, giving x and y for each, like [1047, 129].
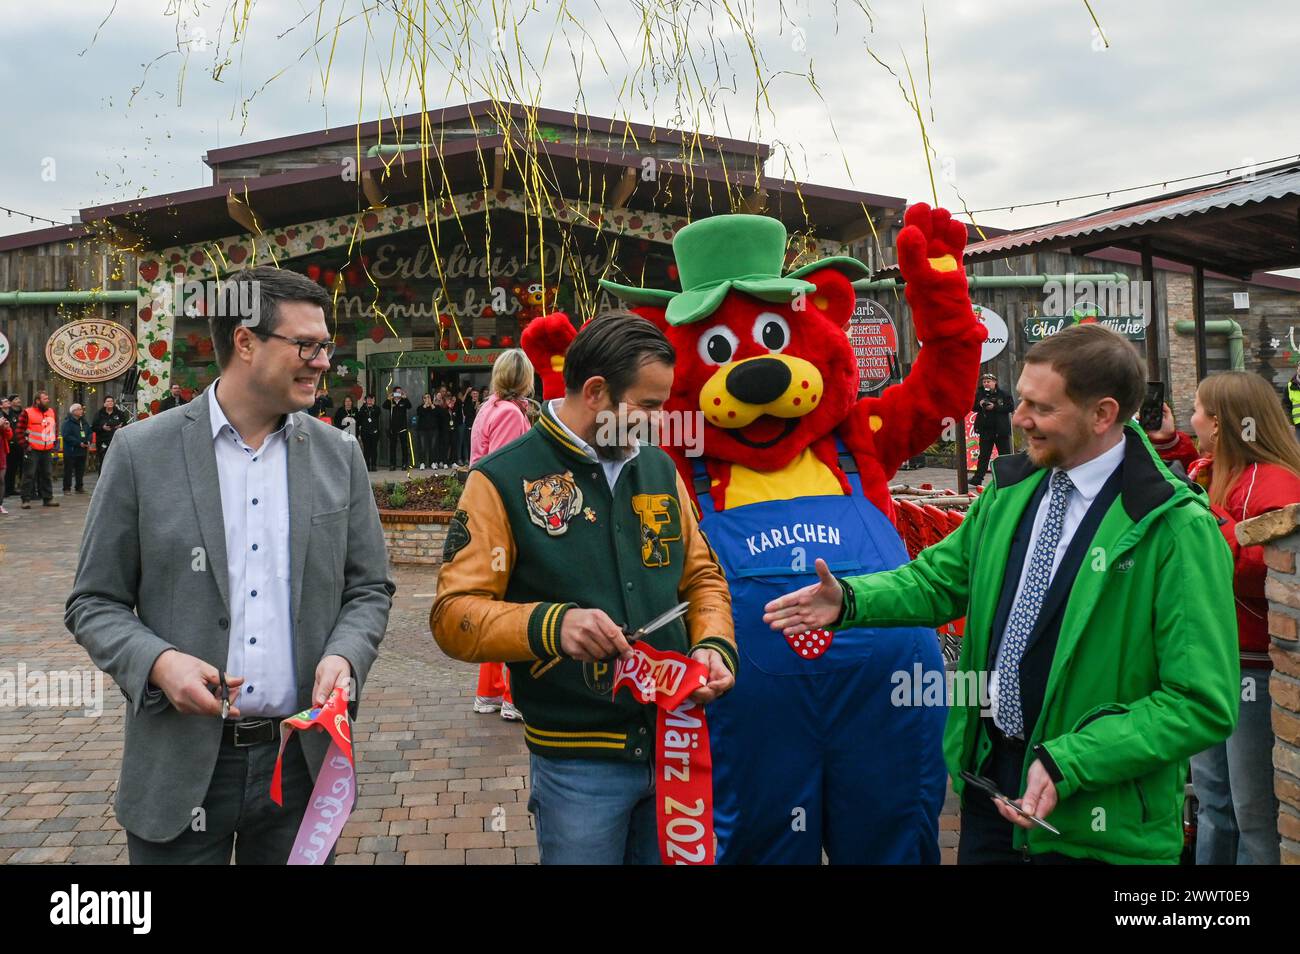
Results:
[759, 380]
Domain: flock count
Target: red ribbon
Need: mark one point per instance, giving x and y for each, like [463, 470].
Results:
[335, 792]
[683, 765]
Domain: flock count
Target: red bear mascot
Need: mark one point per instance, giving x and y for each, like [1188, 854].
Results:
[787, 465]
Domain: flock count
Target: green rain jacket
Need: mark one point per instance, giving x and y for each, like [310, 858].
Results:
[1146, 672]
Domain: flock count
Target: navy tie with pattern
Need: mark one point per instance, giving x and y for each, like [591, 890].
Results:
[1024, 614]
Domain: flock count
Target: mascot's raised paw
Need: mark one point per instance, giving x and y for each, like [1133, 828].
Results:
[545, 340]
[930, 250]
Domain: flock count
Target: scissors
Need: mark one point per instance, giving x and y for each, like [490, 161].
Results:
[986, 786]
[660, 621]
[225, 696]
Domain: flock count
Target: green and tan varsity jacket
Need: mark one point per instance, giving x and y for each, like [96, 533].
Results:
[539, 532]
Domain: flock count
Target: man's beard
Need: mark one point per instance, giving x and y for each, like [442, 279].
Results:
[614, 453]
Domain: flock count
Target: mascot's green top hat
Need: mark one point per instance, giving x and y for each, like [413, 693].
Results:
[722, 252]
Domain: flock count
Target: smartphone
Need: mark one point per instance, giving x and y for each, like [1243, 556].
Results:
[1152, 413]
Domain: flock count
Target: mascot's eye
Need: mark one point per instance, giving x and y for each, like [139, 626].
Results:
[717, 345]
[771, 331]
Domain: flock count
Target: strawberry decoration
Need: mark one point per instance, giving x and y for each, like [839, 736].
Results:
[146, 313]
[197, 258]
[92, 350]
[282, 240]
[159, 350]
[237, 253]
[149, 270]
[810, 644]
[377, 334]
[370, 221]
[155, 407]
[79, 354]
[329, 277]
[313, 272]
[318, 241]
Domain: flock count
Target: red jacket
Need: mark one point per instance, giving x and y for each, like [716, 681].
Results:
[1179, 449]
[1260, 488]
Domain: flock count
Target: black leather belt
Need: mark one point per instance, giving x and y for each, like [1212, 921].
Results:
[248, 732]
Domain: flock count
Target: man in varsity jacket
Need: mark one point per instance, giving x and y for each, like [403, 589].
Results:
[563, 538]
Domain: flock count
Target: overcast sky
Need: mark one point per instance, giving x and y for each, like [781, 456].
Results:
[1027, 103]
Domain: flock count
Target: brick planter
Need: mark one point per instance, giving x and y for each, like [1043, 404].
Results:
[1279, 533]
[414, 536]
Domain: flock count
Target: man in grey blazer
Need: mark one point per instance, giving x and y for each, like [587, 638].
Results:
[235, 537]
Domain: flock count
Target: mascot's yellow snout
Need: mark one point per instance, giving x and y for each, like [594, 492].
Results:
[781, 385]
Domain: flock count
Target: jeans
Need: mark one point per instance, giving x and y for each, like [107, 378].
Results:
[987, 442]
[594, 811]
[1236, 822]
[399, 450]
[38, 475]
[238, 803]
[424, 441]
[74, 468]
[370, 449]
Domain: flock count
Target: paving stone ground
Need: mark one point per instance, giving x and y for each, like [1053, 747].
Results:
[438, 784]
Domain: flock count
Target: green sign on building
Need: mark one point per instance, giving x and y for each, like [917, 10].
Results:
[1040, 327]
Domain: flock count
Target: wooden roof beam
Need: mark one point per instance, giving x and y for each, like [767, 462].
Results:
[242, 213]
[623, 191]
[373, 191]
[755, 202]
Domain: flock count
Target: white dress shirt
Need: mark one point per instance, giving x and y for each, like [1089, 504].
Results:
[255, 505]
[612, 468]
[1088, 479]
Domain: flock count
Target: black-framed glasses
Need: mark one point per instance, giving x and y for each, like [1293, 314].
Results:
[316, 347]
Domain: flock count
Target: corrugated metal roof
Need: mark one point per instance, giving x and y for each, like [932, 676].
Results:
[1280, 183]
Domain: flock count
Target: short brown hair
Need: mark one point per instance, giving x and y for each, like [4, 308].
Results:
[614, 346]
[271, 285]
[1096, 363]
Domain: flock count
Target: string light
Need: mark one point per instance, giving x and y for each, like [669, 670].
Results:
[10, 213]
[1149, 185]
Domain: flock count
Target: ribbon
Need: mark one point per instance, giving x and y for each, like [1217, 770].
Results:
[683, 765]
[335, 792]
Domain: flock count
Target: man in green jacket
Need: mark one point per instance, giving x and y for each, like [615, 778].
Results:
[1097, 592]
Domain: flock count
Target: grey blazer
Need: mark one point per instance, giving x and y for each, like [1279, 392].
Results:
[152, 576]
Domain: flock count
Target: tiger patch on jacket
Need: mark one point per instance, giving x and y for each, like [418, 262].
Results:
[553, 501]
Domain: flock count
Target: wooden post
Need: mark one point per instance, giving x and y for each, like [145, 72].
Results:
[962, 485]
[1198, 312]
[1154, 370]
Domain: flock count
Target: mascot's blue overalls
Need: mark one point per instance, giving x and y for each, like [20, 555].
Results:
[811, 751]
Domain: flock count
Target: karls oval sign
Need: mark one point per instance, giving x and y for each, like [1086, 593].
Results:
[874, 342]
[91, 350]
